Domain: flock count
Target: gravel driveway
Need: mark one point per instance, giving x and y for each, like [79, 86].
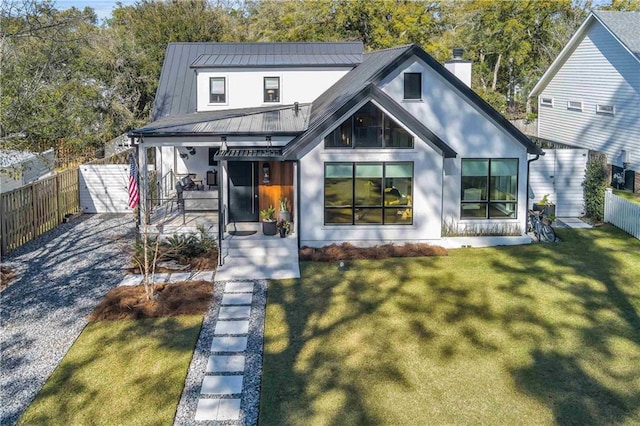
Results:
[60, 277]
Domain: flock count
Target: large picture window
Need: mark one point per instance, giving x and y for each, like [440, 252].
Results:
[369, 127]
[217, 90]
[489, 188]
[368, 193]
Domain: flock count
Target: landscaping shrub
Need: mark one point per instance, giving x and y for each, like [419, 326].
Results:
[595, 184]
[346, 251]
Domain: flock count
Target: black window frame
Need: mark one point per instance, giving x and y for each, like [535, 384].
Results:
[353, 205]
[264, 92]
[224, 93]
[489, 201]
[410, 93]
[382, 136]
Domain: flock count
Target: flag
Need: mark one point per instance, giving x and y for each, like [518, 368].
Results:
[134, 194]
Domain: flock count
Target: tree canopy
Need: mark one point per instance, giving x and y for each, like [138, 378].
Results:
[68, 81]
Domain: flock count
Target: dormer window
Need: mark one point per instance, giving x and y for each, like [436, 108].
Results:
[272, 89]
[217, 90]
[412, 85]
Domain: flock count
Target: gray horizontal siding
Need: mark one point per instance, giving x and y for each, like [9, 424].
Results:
[599, 71]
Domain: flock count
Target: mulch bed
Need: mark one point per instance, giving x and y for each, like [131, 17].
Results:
[346, 251]
[187, 298]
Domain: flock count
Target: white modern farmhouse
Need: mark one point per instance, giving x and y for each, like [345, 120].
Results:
[369, 148]
[590, 95]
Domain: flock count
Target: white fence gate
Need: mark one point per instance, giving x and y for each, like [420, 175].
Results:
[104, 188]
[622, 213]
[560, 173]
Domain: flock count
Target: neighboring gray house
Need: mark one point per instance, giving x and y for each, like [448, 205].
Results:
[370, 148]
[590, 95]
[19, 168]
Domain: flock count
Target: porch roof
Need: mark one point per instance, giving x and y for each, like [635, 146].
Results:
[280, 120]
[250, 154]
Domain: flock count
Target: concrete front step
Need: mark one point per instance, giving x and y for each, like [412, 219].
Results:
[260, 260]
[282, 251]
[257, 240]
[235, 269]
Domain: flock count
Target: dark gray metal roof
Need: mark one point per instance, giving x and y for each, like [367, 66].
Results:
[625, 26]
[281, 120]
[249, 154]
[176, 93]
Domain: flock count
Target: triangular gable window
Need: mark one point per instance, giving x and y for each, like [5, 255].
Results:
[369, 127]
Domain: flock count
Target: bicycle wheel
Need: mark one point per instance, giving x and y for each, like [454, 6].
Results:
[548, 233]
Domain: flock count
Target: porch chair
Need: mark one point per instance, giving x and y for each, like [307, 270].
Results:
[179, 198]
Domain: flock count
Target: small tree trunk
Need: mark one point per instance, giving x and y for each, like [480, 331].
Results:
[496, 68]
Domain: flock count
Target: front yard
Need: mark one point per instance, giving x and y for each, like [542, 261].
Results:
[547, 333]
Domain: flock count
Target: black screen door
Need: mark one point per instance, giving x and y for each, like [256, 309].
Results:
[243, 191]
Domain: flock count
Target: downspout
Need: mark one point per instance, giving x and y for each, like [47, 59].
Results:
[297, 221]
[529, 176]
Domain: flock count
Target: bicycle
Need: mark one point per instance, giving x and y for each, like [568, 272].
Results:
[541, 230]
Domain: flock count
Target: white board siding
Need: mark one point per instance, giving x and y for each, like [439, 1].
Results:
[104, 188]
[560, 173]
[598, 71]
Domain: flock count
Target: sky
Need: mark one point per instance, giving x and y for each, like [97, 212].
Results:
[103, 8]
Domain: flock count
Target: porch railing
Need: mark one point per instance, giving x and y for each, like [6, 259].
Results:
[167, 184]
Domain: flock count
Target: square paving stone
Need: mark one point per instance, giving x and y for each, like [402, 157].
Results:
[221, 385]
[229, 409]
[161, 278]
[179, 276]
[232, 327]
[237, 299]
[239, 287]
[229, 344]
[207, 409]
[131, 280]
[225, 363]
[203, 276]
[229, 312]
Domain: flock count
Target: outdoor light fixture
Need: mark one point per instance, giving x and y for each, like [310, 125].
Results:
[191, 150]
[266, 173]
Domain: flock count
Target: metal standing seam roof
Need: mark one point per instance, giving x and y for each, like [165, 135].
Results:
[625, 26]
[176, 93]
[268, 60]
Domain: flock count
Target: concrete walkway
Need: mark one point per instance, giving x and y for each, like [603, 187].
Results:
[572, 222]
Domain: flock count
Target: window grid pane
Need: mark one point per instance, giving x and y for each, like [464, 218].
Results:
[489, 188]
[353, 193]
[217, 90]
[272, 89]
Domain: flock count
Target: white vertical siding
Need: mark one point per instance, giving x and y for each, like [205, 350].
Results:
[245, 87]
[598, 71]
[465, 128]
[560, 174]
[104, 188]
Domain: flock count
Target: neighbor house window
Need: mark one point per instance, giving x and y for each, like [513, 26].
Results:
[217, 90]
[413, 85]
[369, 127]
[574, 105]
[489, 188]
[368, 193]
[546, 102]
[272, 89]
[605, 109]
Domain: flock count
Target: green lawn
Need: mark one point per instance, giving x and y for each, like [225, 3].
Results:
[538, 334]
[628, 195]
[120, 372]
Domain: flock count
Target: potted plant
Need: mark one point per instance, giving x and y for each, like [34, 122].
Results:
[283, 212]
[268, 221]
[545, 206]
[284, 227]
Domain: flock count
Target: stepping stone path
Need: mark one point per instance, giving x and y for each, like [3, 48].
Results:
[227, 393]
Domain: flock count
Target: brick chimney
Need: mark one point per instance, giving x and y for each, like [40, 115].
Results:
[459, 67]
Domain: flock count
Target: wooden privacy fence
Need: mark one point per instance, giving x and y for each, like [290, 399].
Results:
[34, 209]
[622, 213]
